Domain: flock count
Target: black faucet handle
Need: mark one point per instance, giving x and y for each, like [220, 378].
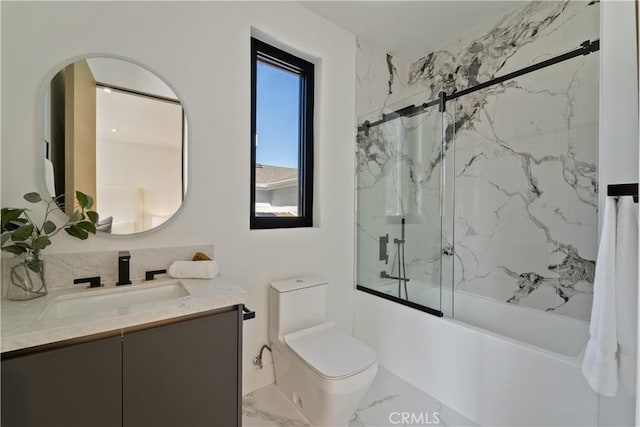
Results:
[94, 282]
[150, 275]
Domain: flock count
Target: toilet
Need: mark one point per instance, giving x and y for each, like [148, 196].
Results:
[323, 371]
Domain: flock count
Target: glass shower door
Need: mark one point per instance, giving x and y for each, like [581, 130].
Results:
[399, 209]
[523, 200]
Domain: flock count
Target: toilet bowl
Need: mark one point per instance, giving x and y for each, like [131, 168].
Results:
[323, 371]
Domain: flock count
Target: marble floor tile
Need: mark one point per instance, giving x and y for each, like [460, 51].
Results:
[384, 405]
[268, 407]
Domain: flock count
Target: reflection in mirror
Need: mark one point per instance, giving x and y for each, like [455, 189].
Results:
[117, 132]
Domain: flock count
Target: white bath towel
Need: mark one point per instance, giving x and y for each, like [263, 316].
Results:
[193, 269]
[599, 365]
[627, 292]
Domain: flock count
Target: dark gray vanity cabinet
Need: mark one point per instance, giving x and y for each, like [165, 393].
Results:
[182, 372]
[77, 385]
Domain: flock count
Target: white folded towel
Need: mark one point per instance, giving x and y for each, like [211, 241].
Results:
[193, 269]
[627, 292]
[599, 365]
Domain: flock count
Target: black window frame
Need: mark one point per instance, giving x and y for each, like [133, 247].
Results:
[263, 52]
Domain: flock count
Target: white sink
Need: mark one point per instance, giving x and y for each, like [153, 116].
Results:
[112, 302]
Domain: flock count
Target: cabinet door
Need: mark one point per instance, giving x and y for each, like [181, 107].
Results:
[183, 374]
[77, 385]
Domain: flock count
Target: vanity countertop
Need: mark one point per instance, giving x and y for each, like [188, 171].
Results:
[28, 323]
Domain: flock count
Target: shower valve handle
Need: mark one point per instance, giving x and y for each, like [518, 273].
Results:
[384, 241]
[385, 275]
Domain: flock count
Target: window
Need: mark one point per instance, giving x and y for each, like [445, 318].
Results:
[281, 138]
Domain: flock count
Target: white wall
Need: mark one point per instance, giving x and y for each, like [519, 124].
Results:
[637, 403]
[618, 96]
[203, 50]
[153, 170]
[285, 196]
[618, 139]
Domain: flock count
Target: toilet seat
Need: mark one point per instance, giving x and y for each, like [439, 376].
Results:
[330, 352]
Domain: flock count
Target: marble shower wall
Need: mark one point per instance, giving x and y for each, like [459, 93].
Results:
[520, 189]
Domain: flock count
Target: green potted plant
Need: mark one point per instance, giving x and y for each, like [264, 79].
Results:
[23, 237]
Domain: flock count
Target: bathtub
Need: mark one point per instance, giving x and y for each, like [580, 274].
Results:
[560, 335]
[495, 363]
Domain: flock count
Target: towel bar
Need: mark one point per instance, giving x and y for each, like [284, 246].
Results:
[247, 313]
[623, 190]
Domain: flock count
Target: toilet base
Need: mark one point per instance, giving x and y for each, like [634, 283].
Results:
[324, 402]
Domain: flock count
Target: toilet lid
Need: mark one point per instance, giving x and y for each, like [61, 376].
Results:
[330, 352]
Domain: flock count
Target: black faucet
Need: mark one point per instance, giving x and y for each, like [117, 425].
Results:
[123, 268]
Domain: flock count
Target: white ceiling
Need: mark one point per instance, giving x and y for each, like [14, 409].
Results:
[127, 75]
[137, 119]
[411, 28]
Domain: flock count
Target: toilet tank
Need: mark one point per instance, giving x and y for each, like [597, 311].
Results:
[296, 304]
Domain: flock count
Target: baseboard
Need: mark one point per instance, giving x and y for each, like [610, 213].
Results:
[257, 378]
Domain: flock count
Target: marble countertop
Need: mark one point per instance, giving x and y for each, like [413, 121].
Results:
[30, 323]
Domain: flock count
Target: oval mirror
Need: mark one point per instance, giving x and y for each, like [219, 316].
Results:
[117, 132]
